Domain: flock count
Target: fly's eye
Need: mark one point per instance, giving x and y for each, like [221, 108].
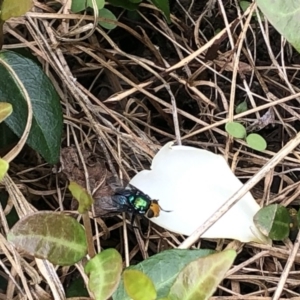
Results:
[154, 209]
[150, 213]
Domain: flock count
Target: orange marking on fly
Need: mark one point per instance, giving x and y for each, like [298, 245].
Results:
[154, 210]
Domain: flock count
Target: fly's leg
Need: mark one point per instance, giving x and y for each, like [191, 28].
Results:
[132, 221]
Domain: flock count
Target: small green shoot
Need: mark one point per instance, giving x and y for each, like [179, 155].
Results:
[238, 131]
[242, 107]
[107, 14]
[84, 199]
[256, 142]
[235, 129]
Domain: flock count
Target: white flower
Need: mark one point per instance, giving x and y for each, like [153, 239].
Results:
[193, 184]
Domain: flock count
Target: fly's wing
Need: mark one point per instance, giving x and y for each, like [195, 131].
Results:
[108, 206]
[111, 199]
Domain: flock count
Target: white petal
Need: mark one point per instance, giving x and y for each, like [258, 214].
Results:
[193, 184]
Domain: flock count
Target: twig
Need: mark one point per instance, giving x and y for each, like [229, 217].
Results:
[287, 268]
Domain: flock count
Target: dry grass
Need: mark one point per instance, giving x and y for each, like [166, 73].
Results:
[129, 91]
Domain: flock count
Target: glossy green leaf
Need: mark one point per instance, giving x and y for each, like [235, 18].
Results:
[162, 269]
[200, 278]
[20, 76]
[124, 4]
[256, 142]
[135, 1]
[3, 168]
[104, 271]
[236, 130]
[284, 16]
[5, 110]
[134, 280]
[80, 5]
[50, 235]
[241, 107]
[14, 8]
[107, 14]
[84, 199]
[164, 6]
[273, 221]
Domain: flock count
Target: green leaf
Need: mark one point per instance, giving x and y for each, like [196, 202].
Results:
[104, 271]
[235, 129]
[284, 16]
[3, 168]
[80, 5]
[273, 221]
[242, 107]
[107, 14]
[200, 278]
[82, 196]
[5, 110]
[20, 76]
[244, 5]
[124, 4]
[163, 5]
[134, 280]
[50, 235]
[256, 142]
[14, 8]
[162, 269]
